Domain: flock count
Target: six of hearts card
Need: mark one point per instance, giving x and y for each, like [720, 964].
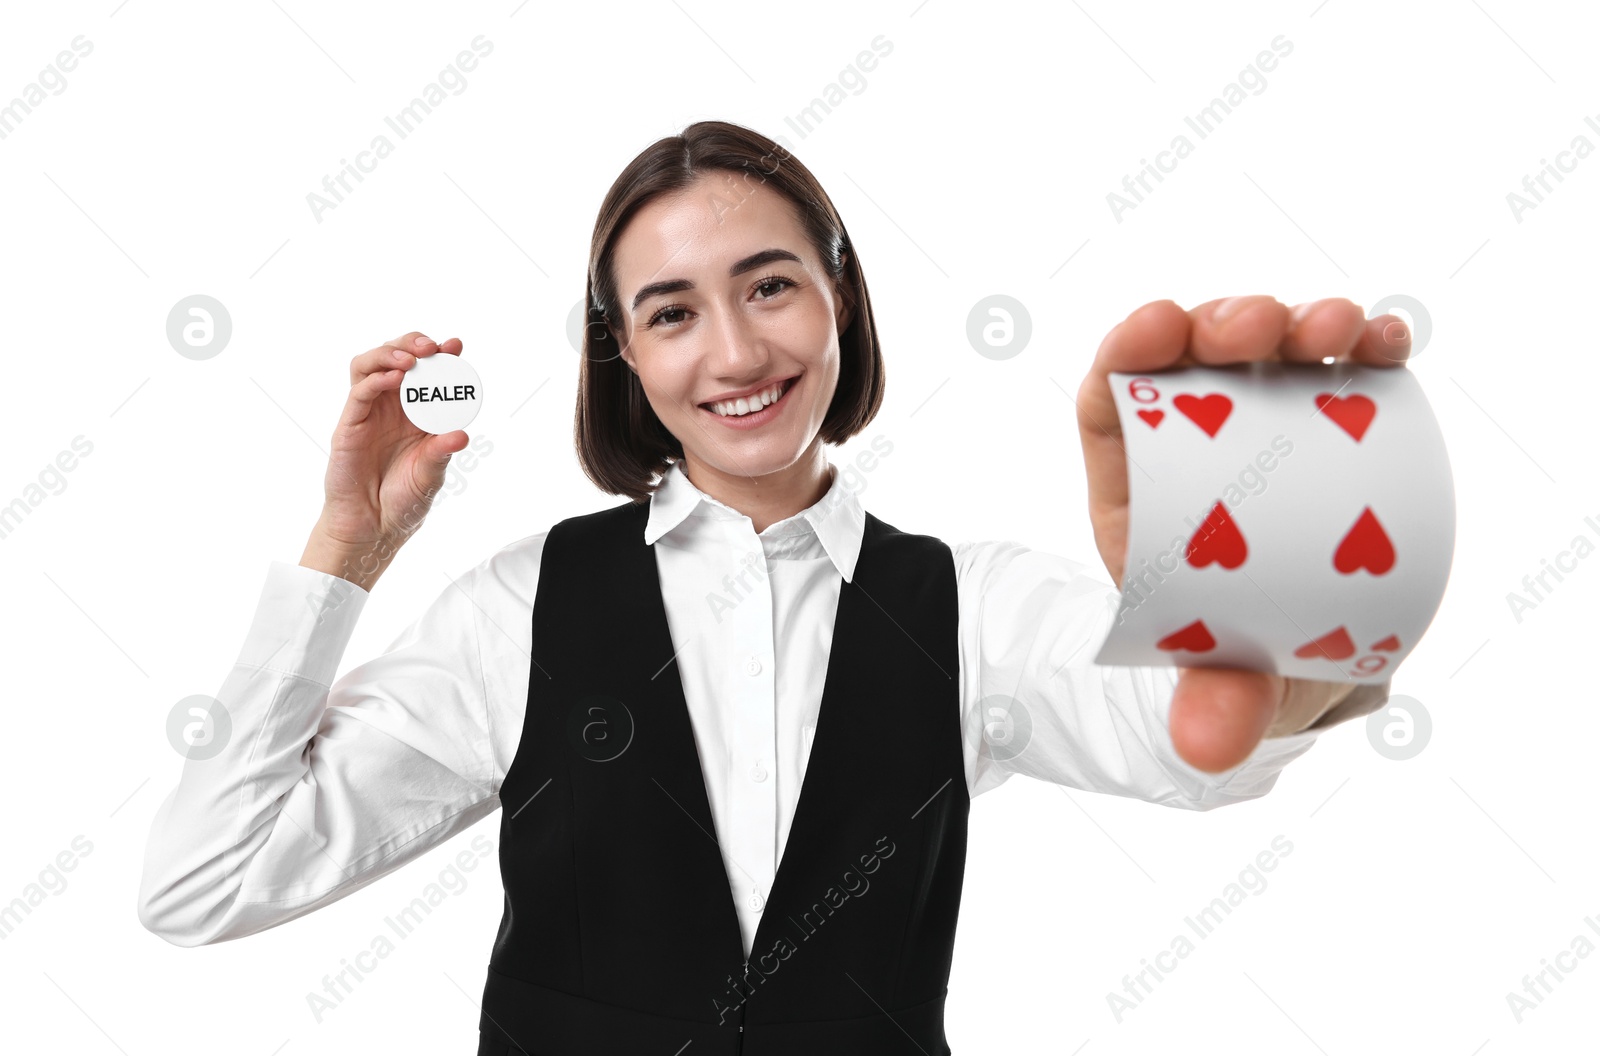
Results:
[1291, 518]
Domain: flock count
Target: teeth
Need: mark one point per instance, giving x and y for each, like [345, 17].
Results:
[746, 404]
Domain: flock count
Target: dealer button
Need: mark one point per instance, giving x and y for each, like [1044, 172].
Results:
[441, 393]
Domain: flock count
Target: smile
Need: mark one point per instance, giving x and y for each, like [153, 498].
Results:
[752, 410]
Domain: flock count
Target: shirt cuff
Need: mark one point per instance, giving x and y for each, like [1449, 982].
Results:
[303, 621]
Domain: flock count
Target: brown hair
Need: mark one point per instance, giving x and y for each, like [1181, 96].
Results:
[621, 442]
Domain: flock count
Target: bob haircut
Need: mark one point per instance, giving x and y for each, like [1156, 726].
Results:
[621, 442]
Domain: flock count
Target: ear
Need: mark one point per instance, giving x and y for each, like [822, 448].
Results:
[844, 309]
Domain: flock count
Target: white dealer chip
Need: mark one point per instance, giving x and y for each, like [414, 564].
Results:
[441, 393]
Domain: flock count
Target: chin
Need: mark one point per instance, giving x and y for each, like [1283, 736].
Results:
[753, 457]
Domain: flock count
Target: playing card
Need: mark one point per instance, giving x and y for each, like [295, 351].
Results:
[1284, 517]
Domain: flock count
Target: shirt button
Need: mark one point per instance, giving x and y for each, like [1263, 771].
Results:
[755, 899]
[753, 666]
[758, 773]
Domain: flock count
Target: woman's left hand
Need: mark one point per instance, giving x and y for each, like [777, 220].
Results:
[1218, 716]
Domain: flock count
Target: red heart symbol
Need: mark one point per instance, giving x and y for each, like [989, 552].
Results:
[1390, 644]
[1366, 546]
[1194, 638]
[1351, 413]
[1208, 412]
[1219, 540]
[1335, 645]
[1153, 417]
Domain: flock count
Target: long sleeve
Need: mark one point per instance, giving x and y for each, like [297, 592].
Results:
[1034, 702]
[320, 789]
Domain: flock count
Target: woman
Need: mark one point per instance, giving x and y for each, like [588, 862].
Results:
[737, 683]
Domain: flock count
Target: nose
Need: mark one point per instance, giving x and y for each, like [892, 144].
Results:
[739, 349]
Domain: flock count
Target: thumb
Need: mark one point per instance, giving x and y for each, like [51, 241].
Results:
[438, 449]
[433, 457]
[1219, 715]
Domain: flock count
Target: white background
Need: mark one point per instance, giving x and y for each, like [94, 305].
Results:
[977, 160]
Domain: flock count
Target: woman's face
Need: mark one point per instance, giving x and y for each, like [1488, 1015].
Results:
[724, 297]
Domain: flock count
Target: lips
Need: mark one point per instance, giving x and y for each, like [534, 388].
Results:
[786, 384]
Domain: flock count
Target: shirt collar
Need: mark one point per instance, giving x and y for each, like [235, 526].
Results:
[837, 519]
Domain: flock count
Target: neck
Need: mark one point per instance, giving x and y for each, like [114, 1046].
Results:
[766, 499]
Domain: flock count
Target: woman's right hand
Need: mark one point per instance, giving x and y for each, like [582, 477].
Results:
[383, 471]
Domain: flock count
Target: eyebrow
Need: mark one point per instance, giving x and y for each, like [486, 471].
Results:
[739, 267]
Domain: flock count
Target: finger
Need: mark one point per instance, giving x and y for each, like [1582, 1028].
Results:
[452, 347]
[1152, 337]
[378, 360]
[1385, 342]
[414, 341]
[1237, 330]
[1322, 329]
[401, 351]
[433, 457]
[439, 448]
[1305, 701]
[364, 392]
[1218, 716]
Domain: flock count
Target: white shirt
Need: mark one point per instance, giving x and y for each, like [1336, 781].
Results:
[324, 785]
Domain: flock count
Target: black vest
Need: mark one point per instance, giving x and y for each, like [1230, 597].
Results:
[620, 934]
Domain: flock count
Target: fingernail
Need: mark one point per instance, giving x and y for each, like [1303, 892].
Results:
[1227, 308]
[1299, 312]
[420, 342]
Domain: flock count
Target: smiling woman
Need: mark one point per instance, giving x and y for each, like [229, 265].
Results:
[684, 778]
[737, 340]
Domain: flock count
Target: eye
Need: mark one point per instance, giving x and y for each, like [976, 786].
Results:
[780, 282]
[773, 280]
[660, 312]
